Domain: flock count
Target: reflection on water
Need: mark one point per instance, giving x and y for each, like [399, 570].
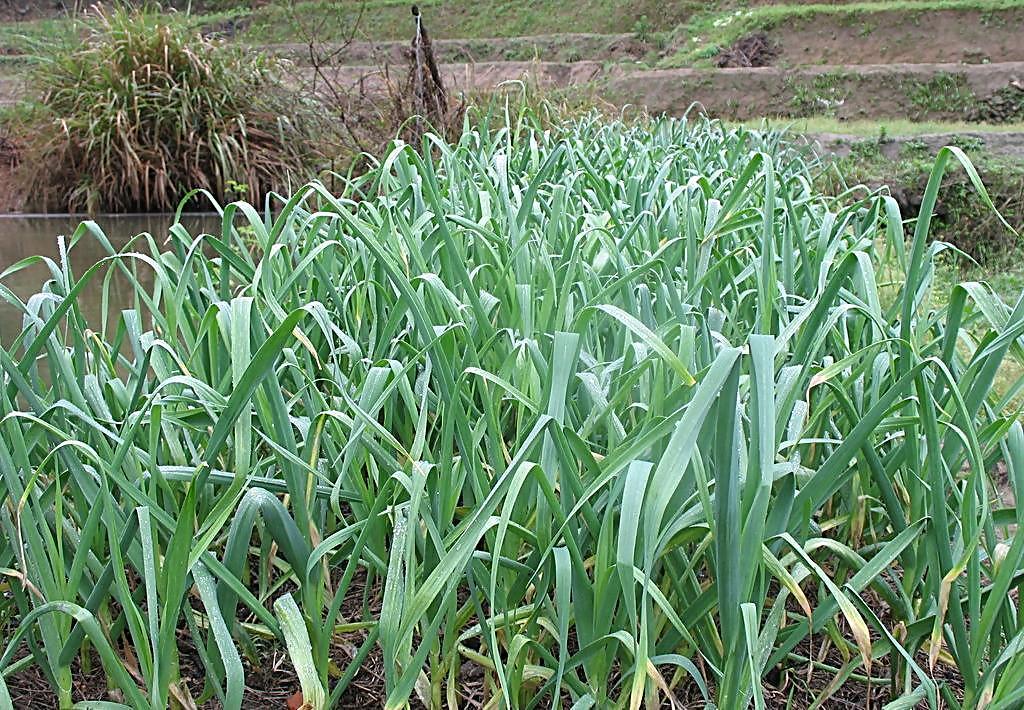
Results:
[25, 236]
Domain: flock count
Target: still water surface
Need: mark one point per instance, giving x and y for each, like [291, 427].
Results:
[22, 236]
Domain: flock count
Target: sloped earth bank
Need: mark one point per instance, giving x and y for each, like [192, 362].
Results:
[897, 36]
[916, 91]
[967, 36]
[555, 47]
[934, 91]
[984, 92]
[840, 145]
[956, 36]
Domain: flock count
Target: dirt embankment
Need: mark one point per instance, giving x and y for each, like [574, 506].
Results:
[917, 91]
[479, 76]
[842, 145]
[880, 37]
[557, 47]
[900, 37]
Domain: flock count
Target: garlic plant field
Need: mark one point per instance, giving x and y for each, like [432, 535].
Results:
[593, 416]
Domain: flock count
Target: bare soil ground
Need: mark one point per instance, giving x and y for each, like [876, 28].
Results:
[795, 685]
[967, 36]
[920, 91]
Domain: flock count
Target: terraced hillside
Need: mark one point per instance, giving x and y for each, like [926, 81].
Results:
[944, 65]
[923, 59]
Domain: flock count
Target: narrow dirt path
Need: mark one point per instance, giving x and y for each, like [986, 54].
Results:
[840, 145]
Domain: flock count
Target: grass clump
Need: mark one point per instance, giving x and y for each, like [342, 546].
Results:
[944, 94]
[589, 414]
[142, 110]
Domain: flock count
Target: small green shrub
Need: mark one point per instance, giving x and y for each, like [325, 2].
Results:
[822, 95]
[642, 29]
[944, 94]
[915, 146]
[143, 110]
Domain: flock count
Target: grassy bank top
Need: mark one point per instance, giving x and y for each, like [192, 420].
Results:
[688, 30]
